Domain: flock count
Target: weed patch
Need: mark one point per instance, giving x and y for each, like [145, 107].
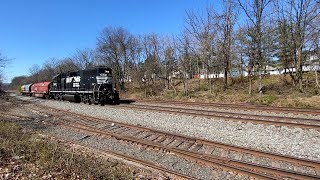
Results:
[27, 155]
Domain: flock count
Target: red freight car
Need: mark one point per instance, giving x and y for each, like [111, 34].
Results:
[41, 89]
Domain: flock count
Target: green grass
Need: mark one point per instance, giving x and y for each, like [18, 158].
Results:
[40, 158]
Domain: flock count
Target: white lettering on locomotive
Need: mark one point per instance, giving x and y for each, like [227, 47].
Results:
[73, 79]
[104, 80]
[76, 84]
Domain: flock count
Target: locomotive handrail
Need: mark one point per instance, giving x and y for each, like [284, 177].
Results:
[99, 91]
[94, 86]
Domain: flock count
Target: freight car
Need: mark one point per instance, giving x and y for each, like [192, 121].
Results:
[41, 89]
[88, 86]
[26, 89]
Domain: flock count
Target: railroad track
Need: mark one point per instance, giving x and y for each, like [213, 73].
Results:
[244, 161]
[242, 106]
[108, 152]
[261, 119]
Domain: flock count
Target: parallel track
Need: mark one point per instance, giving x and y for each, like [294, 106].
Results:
[196, 149]
[261, 119]
[242, 106]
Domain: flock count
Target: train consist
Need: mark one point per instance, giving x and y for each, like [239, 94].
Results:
[88, 86]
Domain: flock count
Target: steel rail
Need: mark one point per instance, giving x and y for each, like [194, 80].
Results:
[244, 106]
[283, 172]
[195, 157]
[311, 120]
[275, 156]
[251, 169]
[129, 158]
[199, 113]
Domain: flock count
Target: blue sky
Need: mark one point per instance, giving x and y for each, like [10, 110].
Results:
[33, 31]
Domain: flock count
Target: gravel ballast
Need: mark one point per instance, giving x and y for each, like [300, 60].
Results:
[160, 158]
[237, 110]
[296, 142]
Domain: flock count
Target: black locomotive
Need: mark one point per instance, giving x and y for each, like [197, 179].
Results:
[88, 86]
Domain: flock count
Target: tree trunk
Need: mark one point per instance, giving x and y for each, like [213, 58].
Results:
[300, 84]
[210, 85]
[225, 86]
[250, 84]
[260, 84]
[317, 81]
[299, 70]
[185, 86]
[145, 90]
[170, 83]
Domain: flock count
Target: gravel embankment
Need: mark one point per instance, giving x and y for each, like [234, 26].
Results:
[288, 141]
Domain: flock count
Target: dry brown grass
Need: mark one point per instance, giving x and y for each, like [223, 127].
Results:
[277, 91]
[25, 155]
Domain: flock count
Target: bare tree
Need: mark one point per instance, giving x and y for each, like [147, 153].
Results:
[151, 53]
[226, 26]
[85, 58]
[135, 68]
[258, 39]
[110, 52]
[170, 66]
[299, 18]
[49, 69]
[203, 30]
[316, 55]
[34, 73]
[117, 47]
[186, 62]
[66, 65]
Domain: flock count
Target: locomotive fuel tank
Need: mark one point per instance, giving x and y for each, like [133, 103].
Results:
[72, 98]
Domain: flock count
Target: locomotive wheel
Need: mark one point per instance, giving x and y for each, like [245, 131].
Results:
[46, 96]
[56, 97]
[102, 102]
[116, 99]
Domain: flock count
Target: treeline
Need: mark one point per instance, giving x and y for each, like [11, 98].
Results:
[271, 33]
